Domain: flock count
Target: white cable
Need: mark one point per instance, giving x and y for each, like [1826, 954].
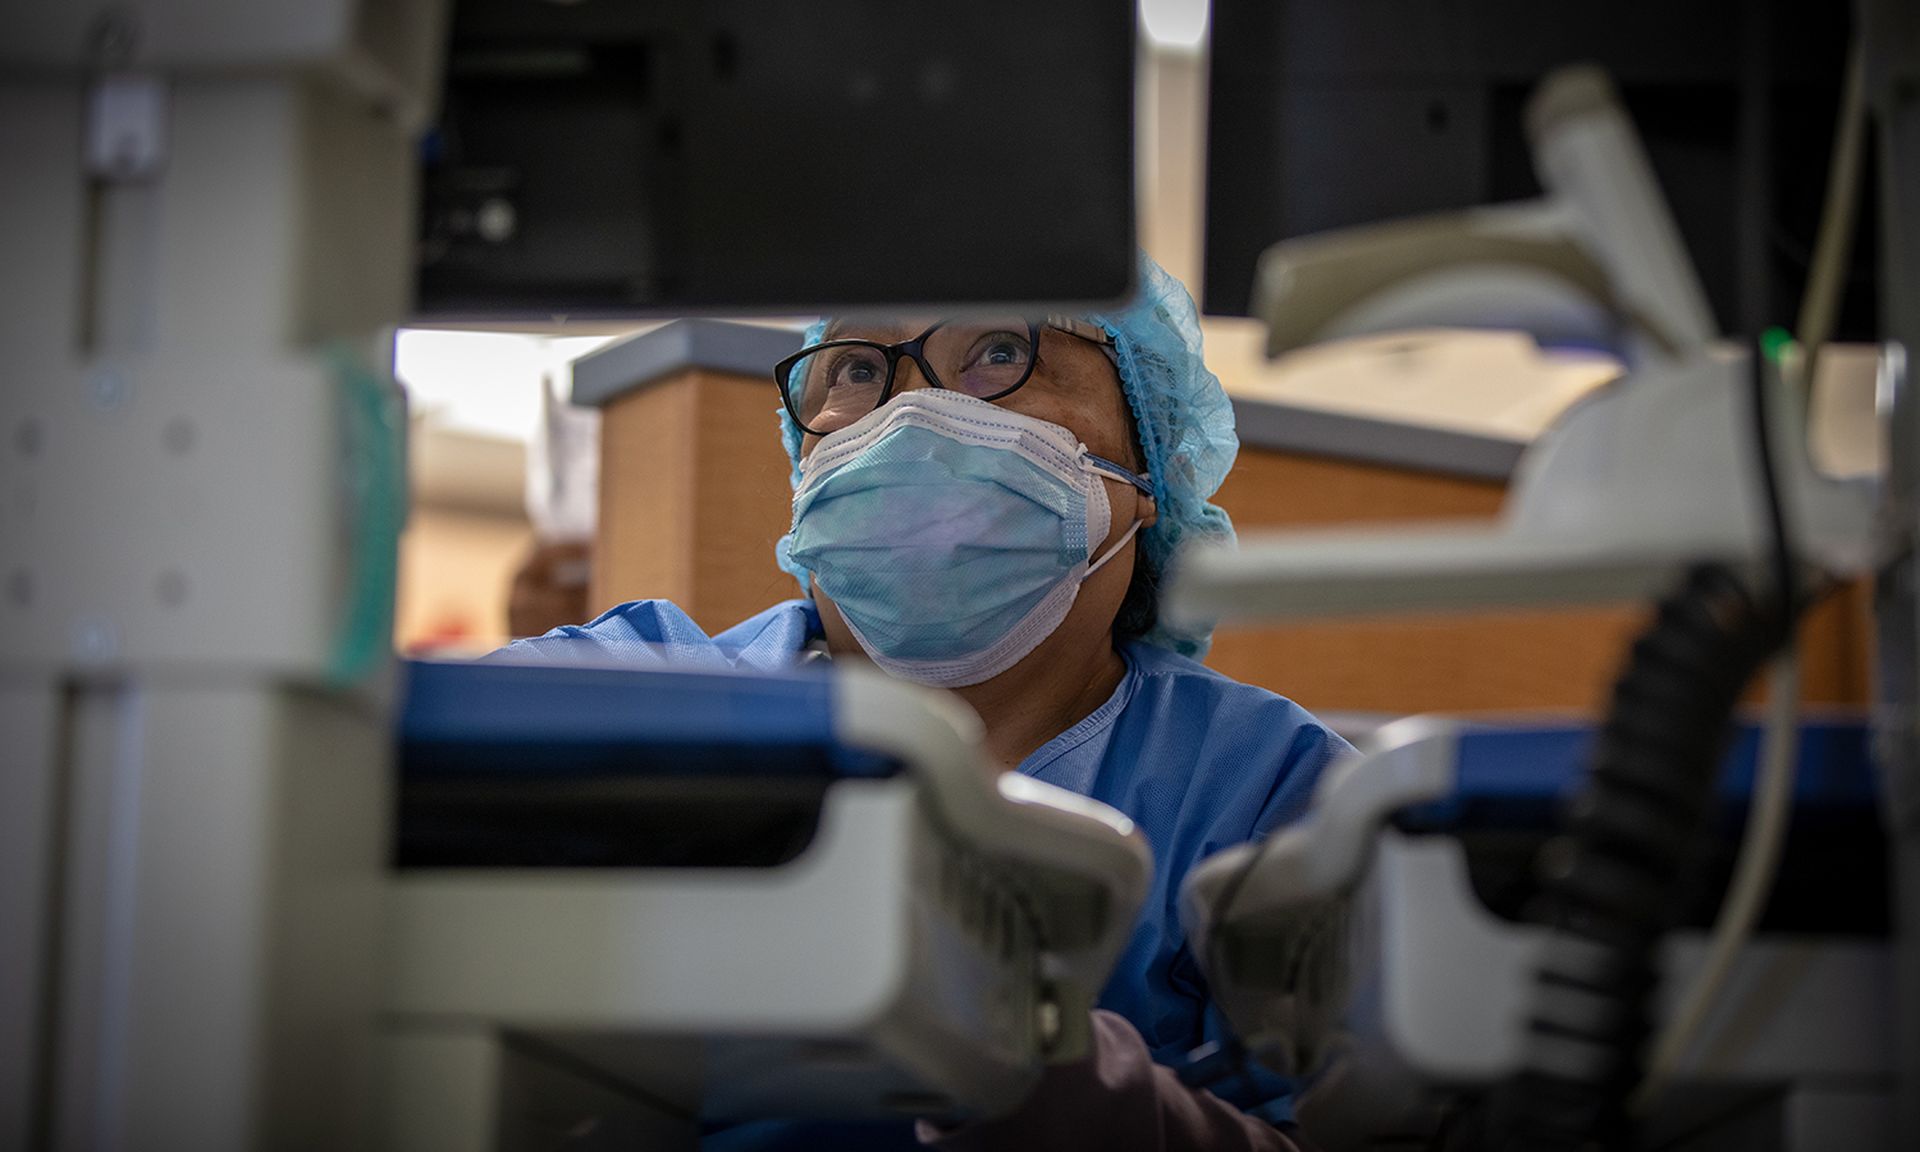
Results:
[1772, 803]
[1820, 302]
[1766, 830]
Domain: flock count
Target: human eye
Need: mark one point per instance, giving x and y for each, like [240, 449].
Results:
[1000, 350]
[855, 368]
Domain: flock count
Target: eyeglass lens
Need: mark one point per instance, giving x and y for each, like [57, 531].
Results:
[838, 385]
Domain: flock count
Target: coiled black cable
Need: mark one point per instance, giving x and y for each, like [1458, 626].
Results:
[1609, 882]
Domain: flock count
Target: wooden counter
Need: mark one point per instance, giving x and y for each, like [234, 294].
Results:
[1538, 659]
[693, 494]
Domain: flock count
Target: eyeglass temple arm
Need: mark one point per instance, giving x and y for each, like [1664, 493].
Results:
[1084, 329]
[1121, 472]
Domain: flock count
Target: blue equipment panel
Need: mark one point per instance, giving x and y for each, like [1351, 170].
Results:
[1513, 785]
[489, 717]
[1521, 774]
[506, 765]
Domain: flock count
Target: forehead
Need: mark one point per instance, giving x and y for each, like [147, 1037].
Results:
[883, 328]
[893, 329]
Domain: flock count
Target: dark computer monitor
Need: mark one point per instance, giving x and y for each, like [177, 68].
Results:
[1324, 115]
[595, 158]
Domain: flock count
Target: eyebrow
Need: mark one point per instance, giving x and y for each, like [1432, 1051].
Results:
[881, 328]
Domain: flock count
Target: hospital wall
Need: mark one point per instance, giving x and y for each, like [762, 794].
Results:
[467, 532]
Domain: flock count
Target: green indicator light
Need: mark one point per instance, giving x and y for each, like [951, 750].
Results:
[1774, 342]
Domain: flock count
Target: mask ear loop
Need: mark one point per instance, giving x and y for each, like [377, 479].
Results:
[1110, 553]
[1118, 472]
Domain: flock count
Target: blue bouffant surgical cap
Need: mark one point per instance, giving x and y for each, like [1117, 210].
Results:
[1184, 421]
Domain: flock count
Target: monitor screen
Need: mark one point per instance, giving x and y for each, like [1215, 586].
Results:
[609, 159]
[1324, 115]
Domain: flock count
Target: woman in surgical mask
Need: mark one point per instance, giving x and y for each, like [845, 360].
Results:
[987, 504]
[969, 496]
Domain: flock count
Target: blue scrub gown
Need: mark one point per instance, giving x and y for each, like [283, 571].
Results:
[1198, 761]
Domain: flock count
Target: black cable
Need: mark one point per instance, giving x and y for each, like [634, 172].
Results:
[1628, 840]
[1197, 1074]
[1202, 1069]
[1609, 880]
[1229, 892]
[1216, 957]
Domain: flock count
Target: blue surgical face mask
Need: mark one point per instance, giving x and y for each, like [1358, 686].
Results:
[953, 535]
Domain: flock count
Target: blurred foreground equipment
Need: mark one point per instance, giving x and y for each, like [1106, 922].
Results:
[1324, 941]
[208, 224]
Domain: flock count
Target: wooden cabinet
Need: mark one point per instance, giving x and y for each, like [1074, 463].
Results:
[693, 495]
[1561, 659]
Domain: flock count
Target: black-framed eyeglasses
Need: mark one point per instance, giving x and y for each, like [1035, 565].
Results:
[829, 385]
